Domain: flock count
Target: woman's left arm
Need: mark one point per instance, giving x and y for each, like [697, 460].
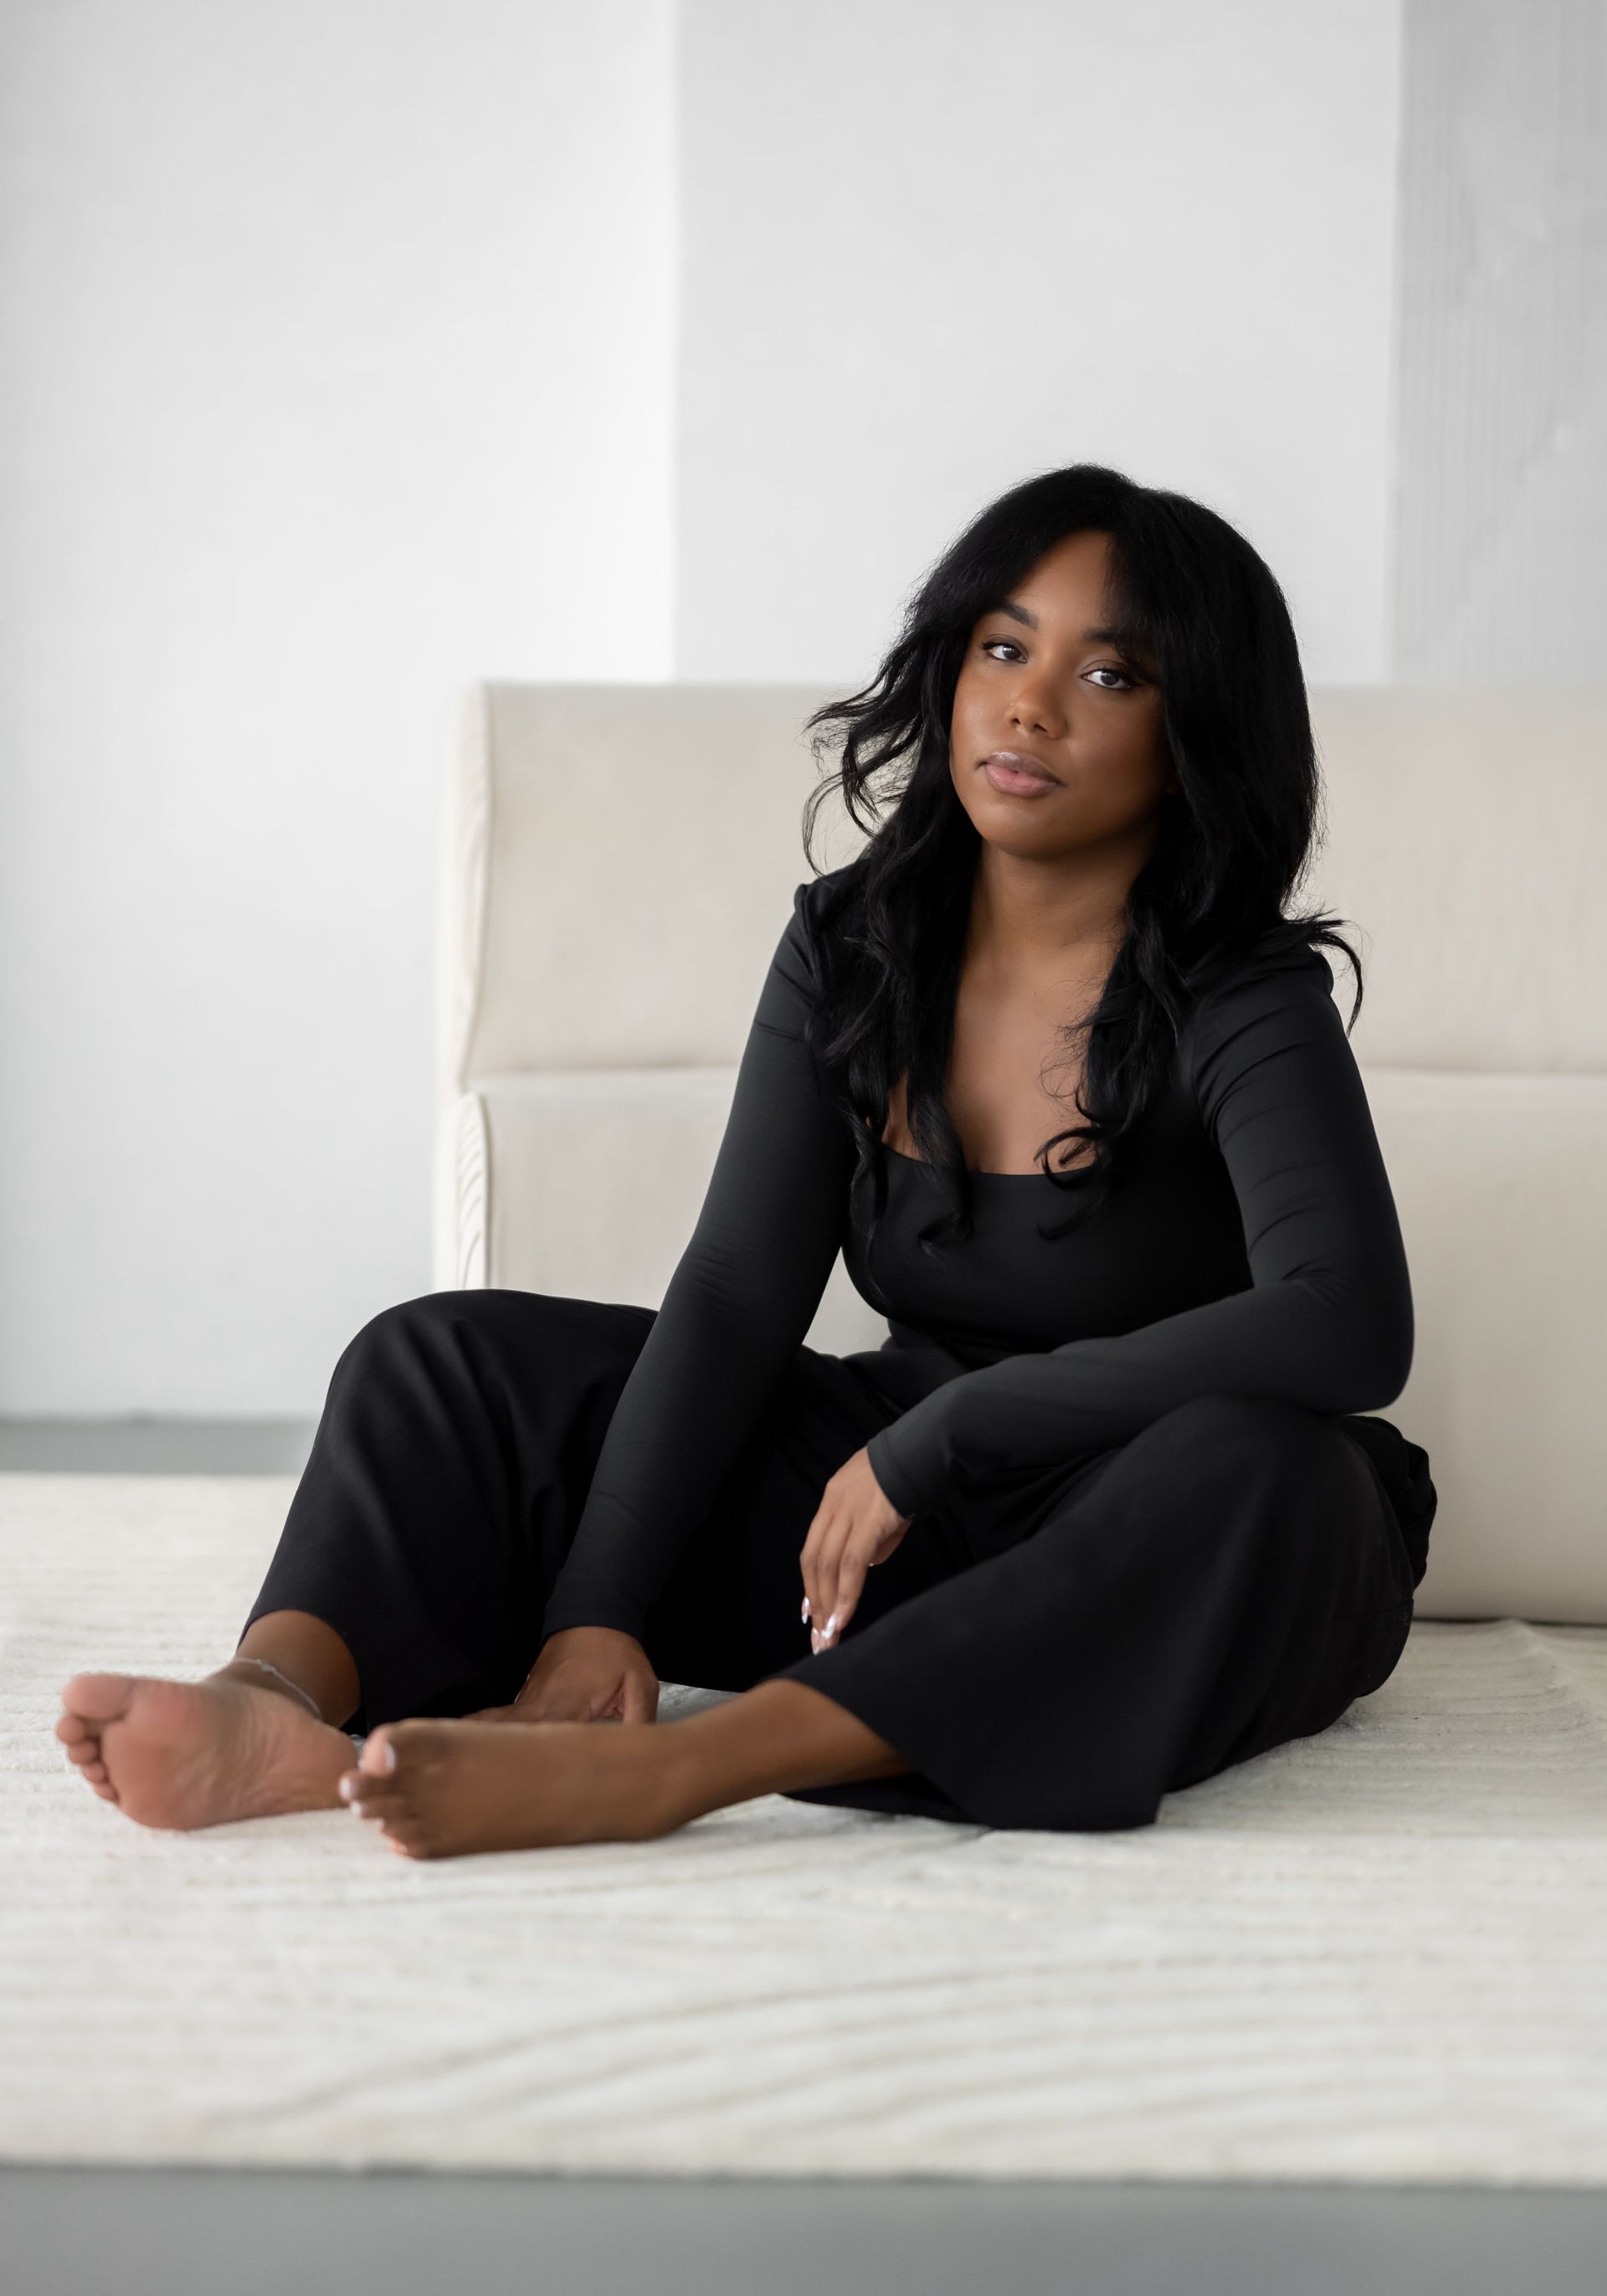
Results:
[1327, 1321]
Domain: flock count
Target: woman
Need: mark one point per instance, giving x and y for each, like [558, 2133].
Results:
[1100, 1517]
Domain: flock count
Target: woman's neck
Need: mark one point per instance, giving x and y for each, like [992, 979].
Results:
[1039, 920]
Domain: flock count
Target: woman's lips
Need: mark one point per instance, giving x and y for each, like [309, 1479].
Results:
[1017, 776]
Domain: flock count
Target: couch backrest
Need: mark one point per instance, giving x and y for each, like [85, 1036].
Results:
[619, 861]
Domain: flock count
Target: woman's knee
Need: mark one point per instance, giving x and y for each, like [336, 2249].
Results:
[435, 1313]
[430, 1329]
[402, 1324]
[543, 1338]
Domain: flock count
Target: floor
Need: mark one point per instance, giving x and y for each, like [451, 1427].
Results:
[90, 2228]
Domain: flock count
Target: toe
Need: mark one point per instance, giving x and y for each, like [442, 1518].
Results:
[414, 1745]
[86, 1749]
[378, 1757]
[407, 1835]
[98, 1697]
[367, 1795]
[72, 1730]
[366, 1785]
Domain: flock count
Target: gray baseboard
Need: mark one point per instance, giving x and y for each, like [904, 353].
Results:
[150, 1446]
[105, 2232]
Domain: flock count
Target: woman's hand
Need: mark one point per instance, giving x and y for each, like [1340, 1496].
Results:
[588, 1674]
[854, 1526]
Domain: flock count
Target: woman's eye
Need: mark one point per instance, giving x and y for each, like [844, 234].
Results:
[1101, 670]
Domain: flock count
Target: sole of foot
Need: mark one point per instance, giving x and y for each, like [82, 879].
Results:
[178, 1755]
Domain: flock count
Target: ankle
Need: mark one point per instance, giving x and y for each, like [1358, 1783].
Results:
[683, 1782]
[700, 1769]
[257, 1674]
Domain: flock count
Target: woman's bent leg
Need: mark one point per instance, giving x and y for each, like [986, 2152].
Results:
[456, 1445]
[727, 1617]
[450, 1466]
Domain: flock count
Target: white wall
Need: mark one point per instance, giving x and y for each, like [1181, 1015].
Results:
[1501, 541]
[343, 369]
[932, 246]
[337, 375]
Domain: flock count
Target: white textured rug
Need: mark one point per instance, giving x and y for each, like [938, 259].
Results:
[1378, 1956]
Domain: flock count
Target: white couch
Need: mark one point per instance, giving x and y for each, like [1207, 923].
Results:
[620, 860]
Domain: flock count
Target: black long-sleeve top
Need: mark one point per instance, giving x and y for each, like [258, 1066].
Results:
[1254, 1250]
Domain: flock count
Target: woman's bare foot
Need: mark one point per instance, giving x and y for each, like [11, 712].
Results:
[441, 1789]
[184, 1754]
[438, 1788]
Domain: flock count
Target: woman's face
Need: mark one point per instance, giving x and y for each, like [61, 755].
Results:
[1038, 680]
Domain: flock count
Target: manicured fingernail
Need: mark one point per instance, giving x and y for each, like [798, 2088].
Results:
[804, 1613]
[832, 1625]
[813, 1638]
[356, 1809]
[349, 1789]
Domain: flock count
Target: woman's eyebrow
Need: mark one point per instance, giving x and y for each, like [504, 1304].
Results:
[1103, 635]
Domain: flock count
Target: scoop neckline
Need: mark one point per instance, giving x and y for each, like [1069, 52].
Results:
[1076, 1171]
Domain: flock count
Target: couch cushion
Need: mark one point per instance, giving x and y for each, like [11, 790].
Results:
[1499, 1181]
[594, 1181]
[619, 861]
[1464, 833]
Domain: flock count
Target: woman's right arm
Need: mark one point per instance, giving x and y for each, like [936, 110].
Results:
[736, 1313]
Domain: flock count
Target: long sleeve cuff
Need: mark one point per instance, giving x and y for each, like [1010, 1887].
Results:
[580, 1610]
[908, 1458]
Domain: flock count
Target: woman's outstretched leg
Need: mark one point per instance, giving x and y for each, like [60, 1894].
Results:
[440, 1788]
[454, 1450]
[1231, 1578]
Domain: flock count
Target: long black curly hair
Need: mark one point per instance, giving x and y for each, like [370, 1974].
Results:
[1203, 613]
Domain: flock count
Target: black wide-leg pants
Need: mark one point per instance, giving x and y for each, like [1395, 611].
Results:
[1059, 1652]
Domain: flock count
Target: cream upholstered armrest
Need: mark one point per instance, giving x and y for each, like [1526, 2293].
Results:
[617, 863]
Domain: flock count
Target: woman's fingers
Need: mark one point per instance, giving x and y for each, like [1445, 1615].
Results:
[641, 1698]
[855, 1527]
[829, 1616]
[818, 1581]
[808, 1564]
[841, 1596]
[850, 1579]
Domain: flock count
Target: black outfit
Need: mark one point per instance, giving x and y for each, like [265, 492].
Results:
[1151, 1533]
